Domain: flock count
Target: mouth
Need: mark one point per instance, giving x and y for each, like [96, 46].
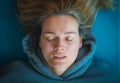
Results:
[59, 57]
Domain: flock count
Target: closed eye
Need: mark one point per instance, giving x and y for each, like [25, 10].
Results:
[50, 38]
[70, 39]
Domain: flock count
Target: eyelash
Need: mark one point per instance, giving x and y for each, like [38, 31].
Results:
[50, 39]
[67, 39]
[71, 39]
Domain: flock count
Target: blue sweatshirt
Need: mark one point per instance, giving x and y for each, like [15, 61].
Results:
[85, 70]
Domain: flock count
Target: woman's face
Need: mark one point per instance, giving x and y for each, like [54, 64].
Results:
[60, 41]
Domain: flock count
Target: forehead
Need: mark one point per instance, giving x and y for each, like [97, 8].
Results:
[61, 23]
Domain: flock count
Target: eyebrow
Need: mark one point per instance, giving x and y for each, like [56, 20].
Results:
[48, 33]
[64, 33]
[70, 32]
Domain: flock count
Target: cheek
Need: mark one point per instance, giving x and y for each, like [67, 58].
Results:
[74, 46]
[46, 49]
[73, 49]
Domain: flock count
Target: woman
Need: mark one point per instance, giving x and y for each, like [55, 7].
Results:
[59, 43]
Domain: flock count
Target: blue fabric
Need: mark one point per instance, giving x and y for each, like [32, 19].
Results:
[21, 72]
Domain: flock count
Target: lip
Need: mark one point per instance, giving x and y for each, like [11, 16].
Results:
[59, 57]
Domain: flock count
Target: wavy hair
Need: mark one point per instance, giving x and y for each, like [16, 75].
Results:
[33, 12]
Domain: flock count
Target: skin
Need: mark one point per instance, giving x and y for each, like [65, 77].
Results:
[60, 42]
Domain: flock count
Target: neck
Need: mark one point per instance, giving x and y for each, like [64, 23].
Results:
[58, 71]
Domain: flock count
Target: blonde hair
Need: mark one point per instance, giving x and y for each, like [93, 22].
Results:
[33, 13]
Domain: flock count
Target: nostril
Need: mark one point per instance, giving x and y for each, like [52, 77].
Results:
[62, 49]
[59, 49]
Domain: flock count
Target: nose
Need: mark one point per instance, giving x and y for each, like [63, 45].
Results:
[59, 45]
[59, 49]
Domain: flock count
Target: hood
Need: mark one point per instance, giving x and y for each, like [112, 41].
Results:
[82, 63]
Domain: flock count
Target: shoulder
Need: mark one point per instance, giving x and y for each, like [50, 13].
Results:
[13, 66]
[15, 71]
[98, 68]
[100, 65]
[101, 70]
